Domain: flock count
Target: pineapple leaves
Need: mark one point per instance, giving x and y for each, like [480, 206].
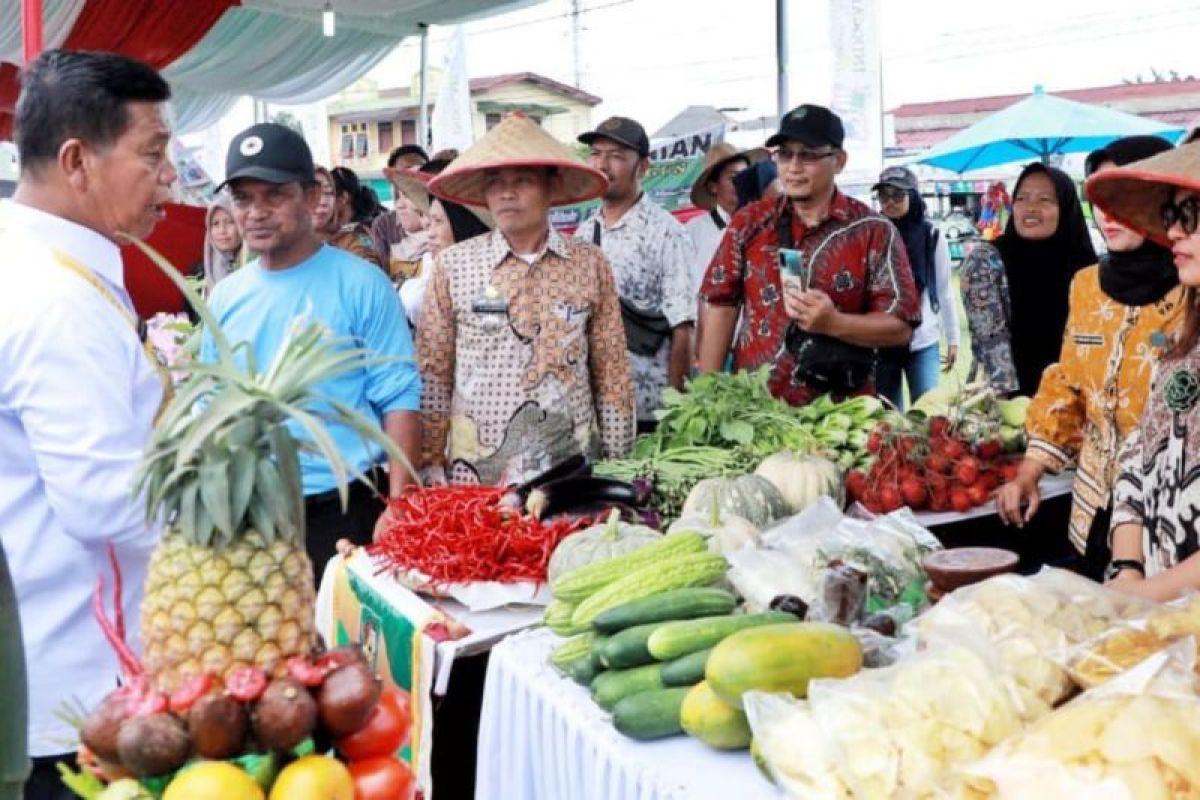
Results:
[214, 493]
[287, 460]
[241, 483]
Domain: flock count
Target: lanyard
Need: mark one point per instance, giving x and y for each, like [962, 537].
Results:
[71, 265]
[717, 219]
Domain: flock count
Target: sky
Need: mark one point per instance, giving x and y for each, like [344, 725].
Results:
[648, 59]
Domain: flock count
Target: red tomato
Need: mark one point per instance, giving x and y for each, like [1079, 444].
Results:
[977, 494]
[386, 729]
[382, 778]
[856, 484]
[967, 471]
[989, 449]
[938, 426]
[953, 449]
[889, 498]
[874, 442]
[913, 492]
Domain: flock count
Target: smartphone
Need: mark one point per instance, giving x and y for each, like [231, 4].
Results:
[791, 269]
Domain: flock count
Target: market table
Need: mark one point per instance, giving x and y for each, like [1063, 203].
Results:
[542, 738]
[1043, 541]
[444, 678]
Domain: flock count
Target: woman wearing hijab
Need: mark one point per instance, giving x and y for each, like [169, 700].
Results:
[1156, 500]
[1015, 290]
[222, 242]
[1122, 313]
[447, 224]
[334, 217]
[929, 257]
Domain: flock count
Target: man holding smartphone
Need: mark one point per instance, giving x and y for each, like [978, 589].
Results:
[851, 290]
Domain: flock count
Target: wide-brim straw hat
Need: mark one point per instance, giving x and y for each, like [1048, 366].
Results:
[517, 142]
[414, 185]
[714, 161]
[1135, 194]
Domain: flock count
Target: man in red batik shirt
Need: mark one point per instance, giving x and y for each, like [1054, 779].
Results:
[859, 286]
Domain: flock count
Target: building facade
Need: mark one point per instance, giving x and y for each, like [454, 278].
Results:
[366, 122]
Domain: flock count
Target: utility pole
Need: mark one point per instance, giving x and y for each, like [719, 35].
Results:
[781, 57]
[423, 113]
[576, 43]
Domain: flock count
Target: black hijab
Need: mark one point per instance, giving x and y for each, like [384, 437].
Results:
[753, 182]
[1039, 276]
[1145, 275]
[914, 230]
[463, 223]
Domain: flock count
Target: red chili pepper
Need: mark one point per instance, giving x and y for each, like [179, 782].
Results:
[461, 534]
[246, 684]
[192, 690]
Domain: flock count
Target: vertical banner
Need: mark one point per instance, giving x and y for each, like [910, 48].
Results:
[857, 94]
[451, 122]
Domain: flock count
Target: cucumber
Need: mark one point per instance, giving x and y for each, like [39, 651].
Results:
[627, 648]
[676, 639]
[650, 715]
[686, 670]
[672, 605]
[610, 687]
[583, 670]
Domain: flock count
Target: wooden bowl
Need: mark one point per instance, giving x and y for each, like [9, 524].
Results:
[962, 566]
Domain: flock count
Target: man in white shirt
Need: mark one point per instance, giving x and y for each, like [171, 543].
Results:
[651, 259]
[78, 395]
[715, 192]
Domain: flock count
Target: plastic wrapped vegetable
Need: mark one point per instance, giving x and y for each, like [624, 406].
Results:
[1135, 738]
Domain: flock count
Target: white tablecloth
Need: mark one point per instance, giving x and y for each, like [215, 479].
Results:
[542, 738]
[1049, 486]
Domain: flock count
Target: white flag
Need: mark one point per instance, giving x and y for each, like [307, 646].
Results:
[452, 120]
[854, 35]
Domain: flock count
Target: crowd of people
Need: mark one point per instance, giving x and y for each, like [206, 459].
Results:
[501, 346]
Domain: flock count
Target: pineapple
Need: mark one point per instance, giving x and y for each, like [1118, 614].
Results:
[230, 584]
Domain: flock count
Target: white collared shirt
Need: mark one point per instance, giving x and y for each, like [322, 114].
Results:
[706, 238]
[77, 403]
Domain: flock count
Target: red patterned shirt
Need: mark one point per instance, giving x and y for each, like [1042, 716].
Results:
[856, 257]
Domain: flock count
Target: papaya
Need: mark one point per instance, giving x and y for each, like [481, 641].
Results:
[781, 658]
[710, 719]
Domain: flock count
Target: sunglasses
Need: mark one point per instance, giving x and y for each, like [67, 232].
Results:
[891, 195]
[785, 156]
[1186, 213]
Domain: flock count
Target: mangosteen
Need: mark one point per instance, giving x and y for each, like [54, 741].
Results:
[346, 698]
[153, 745]
[284, 716]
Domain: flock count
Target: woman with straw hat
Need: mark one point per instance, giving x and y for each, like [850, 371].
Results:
[1155, 533]
[521, 345]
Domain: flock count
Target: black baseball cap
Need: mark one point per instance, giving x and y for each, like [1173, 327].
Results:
[812, 125]
[901, 178]
[269, 152]
[623, 131]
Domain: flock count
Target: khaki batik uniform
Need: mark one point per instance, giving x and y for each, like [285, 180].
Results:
[524, 365]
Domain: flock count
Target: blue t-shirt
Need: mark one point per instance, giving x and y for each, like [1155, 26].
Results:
[355, 301]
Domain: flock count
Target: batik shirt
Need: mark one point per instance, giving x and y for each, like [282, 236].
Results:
[651, 256]
[1090, 400]
[524, 365]
[354, 237]
[984, 286]
[855, 256]
[1158, 487]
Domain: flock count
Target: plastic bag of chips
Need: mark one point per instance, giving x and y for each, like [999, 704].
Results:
[1129, 644]
[1137, 737]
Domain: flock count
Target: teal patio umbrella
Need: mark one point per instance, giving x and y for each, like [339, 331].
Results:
[1038, 127]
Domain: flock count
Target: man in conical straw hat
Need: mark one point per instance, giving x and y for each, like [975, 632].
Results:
[520, 342]
[715, 192]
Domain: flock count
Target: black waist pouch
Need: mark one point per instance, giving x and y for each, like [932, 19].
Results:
[644, 333]
[828, 364]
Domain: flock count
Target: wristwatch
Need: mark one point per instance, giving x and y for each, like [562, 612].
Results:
[1117, 566]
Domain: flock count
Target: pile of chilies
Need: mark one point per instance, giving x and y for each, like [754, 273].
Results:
[461, 534]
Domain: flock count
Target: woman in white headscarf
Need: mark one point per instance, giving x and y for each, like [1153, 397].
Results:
[222, 242]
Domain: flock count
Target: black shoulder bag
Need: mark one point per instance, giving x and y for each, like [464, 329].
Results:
[823, 362]
[644, 333]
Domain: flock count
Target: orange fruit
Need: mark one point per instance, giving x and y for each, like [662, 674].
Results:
[313, 778]
[209, 779]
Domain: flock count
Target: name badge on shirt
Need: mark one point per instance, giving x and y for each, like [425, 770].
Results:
[490, 301]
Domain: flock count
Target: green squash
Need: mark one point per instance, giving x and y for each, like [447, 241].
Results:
[751, 497]
[599, 543]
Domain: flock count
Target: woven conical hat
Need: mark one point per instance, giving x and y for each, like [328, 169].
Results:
[715, 160]
[517, 142]
[1135, 193]
[414, 184]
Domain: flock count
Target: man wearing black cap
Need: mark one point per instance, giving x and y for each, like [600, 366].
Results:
[651, 257]
[849, 291]
[269, 171]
